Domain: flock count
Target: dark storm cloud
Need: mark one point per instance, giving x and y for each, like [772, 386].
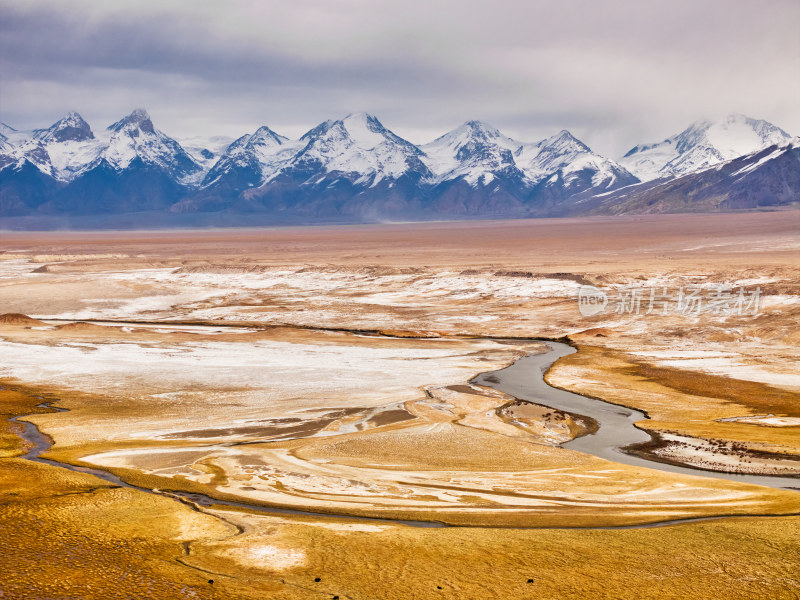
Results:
[613, 72]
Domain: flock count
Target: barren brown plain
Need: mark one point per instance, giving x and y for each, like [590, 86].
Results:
[327, 370]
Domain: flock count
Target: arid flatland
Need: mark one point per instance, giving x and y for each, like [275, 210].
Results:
[328, 370]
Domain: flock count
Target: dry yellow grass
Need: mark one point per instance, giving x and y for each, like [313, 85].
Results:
[63, 537]
[68, 535]
[438, 467]
[686, 403]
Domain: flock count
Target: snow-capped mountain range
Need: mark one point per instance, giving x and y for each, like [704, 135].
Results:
[701, 145]
[352, 168]
[767, 178]
[69, 148]
[61, 150]
[474, 152]
[255, 157]
[134, 138]
[358, 147]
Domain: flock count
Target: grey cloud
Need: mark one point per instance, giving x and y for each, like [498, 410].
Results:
[614, 72]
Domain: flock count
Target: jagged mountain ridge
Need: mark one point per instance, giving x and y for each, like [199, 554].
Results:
[60, 151]
[71, 128]
[134, 137]
[348, 169]
[69, 148]
[766, 178]
[476, 152]
[132, 166]
[359, 148]
[352, 167]
[473, 169]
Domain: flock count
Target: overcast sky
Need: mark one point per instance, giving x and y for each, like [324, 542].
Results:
[613, 72]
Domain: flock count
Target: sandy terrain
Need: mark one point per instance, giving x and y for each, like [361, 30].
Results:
[327, 369]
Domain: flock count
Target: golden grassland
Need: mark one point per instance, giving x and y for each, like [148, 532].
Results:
[67, 534]
[685, 402]
[458, 462]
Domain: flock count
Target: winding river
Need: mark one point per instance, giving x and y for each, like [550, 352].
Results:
[41, 443]
[524, 379]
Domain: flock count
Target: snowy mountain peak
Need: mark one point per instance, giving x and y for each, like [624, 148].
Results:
[365, 130]
[253, 158]
[479, 129]
[551, 154]
[137, 121]
[564, 142]
[734, 135]
[265, 135]
[361, 129]
[562, 159]
[71, 127]
[360, 146]
[363, 119]
[475, 132]
[59, 151]
[701, 145]
[474, 151]
[134, 137]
